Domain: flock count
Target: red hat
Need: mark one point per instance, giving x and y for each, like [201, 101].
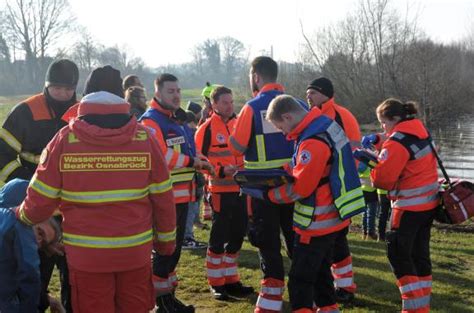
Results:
[103, 103]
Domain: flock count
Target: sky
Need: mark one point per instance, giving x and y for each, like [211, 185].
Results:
[164, 32]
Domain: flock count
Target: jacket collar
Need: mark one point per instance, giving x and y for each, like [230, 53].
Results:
[271, 86]
[154, 104]
[313, 114]
[328, 108]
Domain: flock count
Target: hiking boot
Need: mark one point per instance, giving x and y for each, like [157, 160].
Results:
[219, 292]
[180, 307]
[192, 244]
[237, 289]
[343, 295]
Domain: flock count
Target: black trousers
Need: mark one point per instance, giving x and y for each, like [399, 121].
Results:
[310, 277]
[47, 264]
[229, 222]
[408, 244]
[385, 207]
[264, 233]
[341, 246]
[164, 265]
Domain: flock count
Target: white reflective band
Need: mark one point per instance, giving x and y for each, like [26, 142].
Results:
[161, 284]
[273, 291]
[418, 303]
[267, 304]
[415, 191]
[415, 201]
[181, 177]
[343, 282]
[169, 155]
[212, 260]
[325, 209]
[230, 271]
[337, 134]
[222, 182]
[166, 236]
[215, 273]
[10, 139]
[325, 223]
[228, 259]
[415, 286]
[420, 153]
[236, 145]
[461, 205]
[180, 162]
[181, 193]
[342, 270]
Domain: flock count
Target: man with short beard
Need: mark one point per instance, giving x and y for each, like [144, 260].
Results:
[177, 144]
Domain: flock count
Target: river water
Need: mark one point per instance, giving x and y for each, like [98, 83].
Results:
[455, 140]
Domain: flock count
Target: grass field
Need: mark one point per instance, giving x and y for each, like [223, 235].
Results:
[453, 287]
[452, 257]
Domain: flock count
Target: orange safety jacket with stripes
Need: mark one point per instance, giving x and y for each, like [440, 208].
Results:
[175, 142]
[407, 168]
[345, 119]
[113, 189]
[211, 141]
[311, 172]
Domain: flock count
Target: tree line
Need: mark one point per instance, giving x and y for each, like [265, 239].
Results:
[375, 52]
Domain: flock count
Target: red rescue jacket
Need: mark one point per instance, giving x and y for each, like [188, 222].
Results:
[410, 177]
[113, 189]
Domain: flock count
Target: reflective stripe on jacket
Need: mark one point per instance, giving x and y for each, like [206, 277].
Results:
[177, 144]
[407, 168]
[211, 140]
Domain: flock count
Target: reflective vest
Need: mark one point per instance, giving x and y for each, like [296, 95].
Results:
[211, 139]
[365, 180]
[424, 195]
[343, 179]
[179, 138]
[268, 147]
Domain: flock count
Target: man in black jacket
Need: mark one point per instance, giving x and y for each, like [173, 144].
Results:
[26, 131]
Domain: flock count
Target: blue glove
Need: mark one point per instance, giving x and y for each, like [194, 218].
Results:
[362, 167]
[369, 140]
[253, 192]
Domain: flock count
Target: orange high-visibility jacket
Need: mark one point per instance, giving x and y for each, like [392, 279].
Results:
[180, 164]
[311, 173]
[113, 189]
[345, 119]
[211, 141]
[410, 176]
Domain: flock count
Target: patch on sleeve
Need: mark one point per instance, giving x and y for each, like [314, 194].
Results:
[305, 157]
[220, 138]
[383, 155]
[44, 156]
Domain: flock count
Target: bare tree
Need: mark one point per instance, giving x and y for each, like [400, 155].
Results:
[85, 52]
[37, 25]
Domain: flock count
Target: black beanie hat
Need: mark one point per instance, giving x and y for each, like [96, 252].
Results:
[104, 79]
[62, 73]
[323, 85]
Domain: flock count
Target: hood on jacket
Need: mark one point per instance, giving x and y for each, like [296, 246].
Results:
[413, 127]
[12, 194]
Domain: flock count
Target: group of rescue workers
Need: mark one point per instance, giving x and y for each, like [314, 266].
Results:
[119, 177]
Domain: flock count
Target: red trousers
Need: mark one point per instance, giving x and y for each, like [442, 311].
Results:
[115, 292]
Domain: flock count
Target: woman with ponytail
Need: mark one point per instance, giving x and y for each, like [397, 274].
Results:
[407, 169]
